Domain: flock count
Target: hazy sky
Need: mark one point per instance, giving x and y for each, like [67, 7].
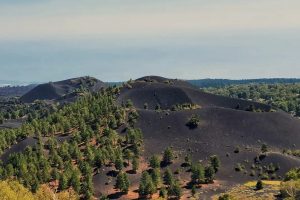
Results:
[43, 40]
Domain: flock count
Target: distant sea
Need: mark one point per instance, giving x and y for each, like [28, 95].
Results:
[5, 83]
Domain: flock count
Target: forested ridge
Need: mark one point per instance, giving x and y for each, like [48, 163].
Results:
[227, 82]
[282, 96]
[90, 122]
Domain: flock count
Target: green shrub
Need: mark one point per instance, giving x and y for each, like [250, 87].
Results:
[193, 122]
[225, 197]
[293, 174]
[259, 185]
[236, 150]
[239, 167]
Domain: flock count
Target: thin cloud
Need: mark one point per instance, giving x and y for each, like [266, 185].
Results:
[206, 19]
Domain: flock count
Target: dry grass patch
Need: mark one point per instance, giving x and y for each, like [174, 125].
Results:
[265, 182]
[247, 191]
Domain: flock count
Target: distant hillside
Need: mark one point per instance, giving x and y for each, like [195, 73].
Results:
[62, 89]
[225, 82]
[13, 91]
[167, 93]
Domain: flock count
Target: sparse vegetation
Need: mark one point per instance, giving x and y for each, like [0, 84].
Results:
[193, 122]
[290, 188]
[293, 174]
[295, 152]
[237, 149]
[129, 103]
[239, 167]
[146, 106]
[188, 160]
[157, 107]
[264, 148]
[185, 106]
[249, 191]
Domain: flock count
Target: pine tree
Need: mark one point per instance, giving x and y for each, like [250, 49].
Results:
[55, 174]
[156, 177]
[154, 162]
[127, 155]
[135, 164]
[168, 177]
[188, 160]
[75, 180]
[146, 185]
[126, 182]
[175, 190]
[122, 182]
[215, 162]
[119, 163]
[197, 173]
[63, 182]
[35, 185]
[88, 195]
[168, 156]
[163, 193]
[89, 184]
[209, 174]
[99, 159]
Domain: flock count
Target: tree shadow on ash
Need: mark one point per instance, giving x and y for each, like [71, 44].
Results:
[112, 173]
[116, 195]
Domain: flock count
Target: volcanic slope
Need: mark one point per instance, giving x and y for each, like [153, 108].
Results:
[235, 135]
[65, 89]
[166, 93]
